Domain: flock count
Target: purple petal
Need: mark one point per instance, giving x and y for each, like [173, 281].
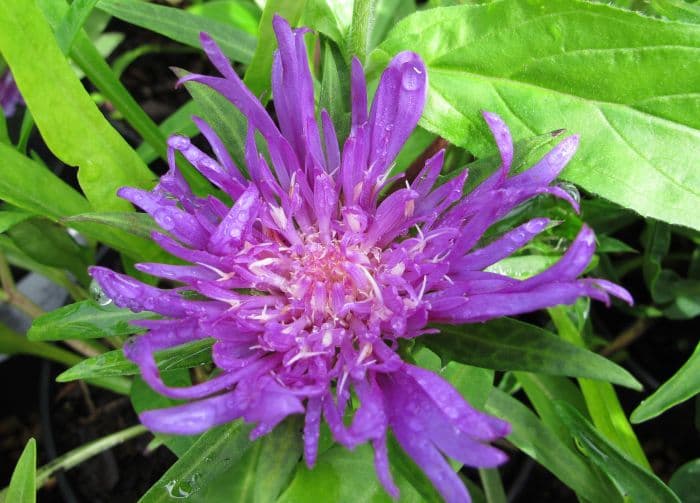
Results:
[396, 108]
[381, 465]
[312, 430]
[234, 228]
[549, 167]
[358, 90]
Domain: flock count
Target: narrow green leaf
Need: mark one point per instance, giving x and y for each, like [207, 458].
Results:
[682, 386]
[22, 488]
[50, 244]
[635, 482]
[361, 28]
[685, 482]
[33, 188]
[228, 122]
[73, 22]
[541, 444]
[508, 344]
[69, 121]
[11, 217]
[590, 68]
[182, 26]
[138, 224]
[179, 122]
[85, 320]
[211, 455]
[114, 363]
[601, 400]
[240, 14]
[334, 94]
[257, 76]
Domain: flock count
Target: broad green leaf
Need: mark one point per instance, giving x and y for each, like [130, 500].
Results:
[22, 488]
[211, 455]
[331, 18]
[635, 482]
[627, 83]
[257, 76]
[345, 477]
[536, 440]
[69, 121]
[685, 482]
[138, 224]
[237, 13]
[93, 64]
[601, 400]
[73, 22]
[508, 344]
[13, 343]
[683, 385]
[85, 320]
[263, 472]
[182, 26]
[114, 363]
[386, 14]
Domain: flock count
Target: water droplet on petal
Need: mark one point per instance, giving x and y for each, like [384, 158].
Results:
[410, 80]
[98, 295]
[570, 189]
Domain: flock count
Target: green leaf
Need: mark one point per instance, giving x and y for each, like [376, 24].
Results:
[69, 121]
[237, 13]
[386, 14]
[138, 224]
[541, 444]
[656, 246]
[228, 122]
[685, 482]
[601, 400]
[85, 320]
[13, 343]
[33, 188]
[11, 217]
[590, 68]
[334, 93]
[683, 385]
[635, 482]
[22, 488]
[114, 363]
[143, 397]
[264, 470]
[361, 28]
[215, 452]
[257, 76]
[344, 476]
[73, 22]
[182, 26]
[180, 122]
[508, 344]
[677, 9]
[50, 244]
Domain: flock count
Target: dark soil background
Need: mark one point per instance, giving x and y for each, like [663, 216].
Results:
[64, 416]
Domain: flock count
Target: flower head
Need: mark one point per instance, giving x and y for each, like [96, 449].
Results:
[308, 282]
[9, 93]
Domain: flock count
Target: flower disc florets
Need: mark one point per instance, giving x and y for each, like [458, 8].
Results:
[308, 282]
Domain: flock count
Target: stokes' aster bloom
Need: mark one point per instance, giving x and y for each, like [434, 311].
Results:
[311, 278]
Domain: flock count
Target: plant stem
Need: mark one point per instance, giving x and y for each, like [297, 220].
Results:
[361, 27]
[627, 336]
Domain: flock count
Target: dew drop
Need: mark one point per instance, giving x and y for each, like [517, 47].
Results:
[98, 295]
[410, 80]
[164, 219]
[570, 189]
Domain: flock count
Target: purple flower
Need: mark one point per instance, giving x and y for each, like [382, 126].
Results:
[308, 282]
[9, 94]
